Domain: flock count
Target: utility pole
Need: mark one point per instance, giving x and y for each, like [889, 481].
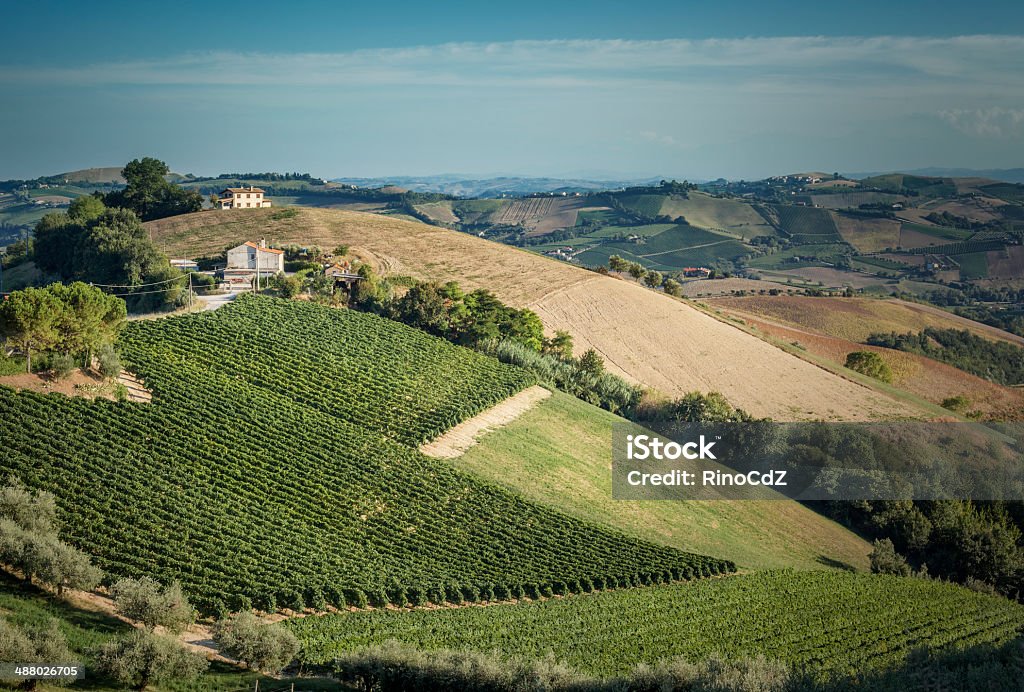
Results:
[190, 291]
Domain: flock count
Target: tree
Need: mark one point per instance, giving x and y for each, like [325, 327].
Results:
[29, 542]
[636, 270]
[86, 208]
[261, 646]
[35, 644]
[653, 279]
[143, 657]
[149, 194]
[885, 559]
[869, 363]
[560, 345]
[673, 288]
[591, 362]
[31, 320]
[617, 264]
[91, 318]
[145, 601]
[425, 307]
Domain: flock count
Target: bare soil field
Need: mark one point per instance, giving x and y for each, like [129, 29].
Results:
[910, 239]
[924, 377]
[868, 235]
[831, 278]
[853, 319]
[84, 384]
[439, 211]
[1007, 263]
[645, 336]
[724, 287]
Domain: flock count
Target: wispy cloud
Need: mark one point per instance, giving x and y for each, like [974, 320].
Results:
[563, 64]
[996, 122]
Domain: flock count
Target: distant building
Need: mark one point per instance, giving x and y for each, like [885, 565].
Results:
[248, 259]
[185, 265]
[242, 198]
[696, 272]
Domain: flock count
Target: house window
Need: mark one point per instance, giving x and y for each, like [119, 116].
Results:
[247, 195]
[248, 204]
[238, 195]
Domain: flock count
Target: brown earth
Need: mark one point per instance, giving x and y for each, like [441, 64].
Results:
[924, 377]
[853, 319]
[868, 235]
[645, 336]
[81, 383]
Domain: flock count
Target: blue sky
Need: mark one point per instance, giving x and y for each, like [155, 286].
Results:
[611, 89]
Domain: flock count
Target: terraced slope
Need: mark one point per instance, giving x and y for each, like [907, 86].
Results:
[276, 466]
[668, 345]
[831, 622]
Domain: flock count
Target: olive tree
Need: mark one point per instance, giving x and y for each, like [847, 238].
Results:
[145, 600]
[261, 646]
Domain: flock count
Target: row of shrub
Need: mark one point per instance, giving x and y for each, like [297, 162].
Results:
[319, 598]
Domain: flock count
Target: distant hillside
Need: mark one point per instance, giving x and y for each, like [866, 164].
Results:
[110, 174]
[493, 187]
[1006, 175]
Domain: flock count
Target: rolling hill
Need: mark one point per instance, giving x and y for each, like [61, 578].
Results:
[276, 466]
[676, 348]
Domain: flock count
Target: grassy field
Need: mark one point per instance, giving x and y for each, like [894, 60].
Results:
[830, 623]
[706, 211]
[21, 276]
[973, 265]
[557, 453]
[868, 234]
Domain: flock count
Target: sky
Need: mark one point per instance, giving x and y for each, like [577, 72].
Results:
[599, 89]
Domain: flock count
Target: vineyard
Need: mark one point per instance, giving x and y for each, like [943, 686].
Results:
[961, 248]
[276, 467]
[808, 225]
[831, 622]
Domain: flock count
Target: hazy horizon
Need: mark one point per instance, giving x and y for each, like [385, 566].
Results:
[732, 91]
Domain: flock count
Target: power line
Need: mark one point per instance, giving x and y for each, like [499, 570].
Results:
[155, 283]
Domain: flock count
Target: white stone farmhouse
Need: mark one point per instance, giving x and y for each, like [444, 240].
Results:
[243, 198]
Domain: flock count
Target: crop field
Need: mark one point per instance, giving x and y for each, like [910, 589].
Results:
[439, 211]
[854, 319]
[853, 199]
[918, 235]
[1009, 192]
[479, 210]
[809, 255]
[921, 376]
[701, 255]
[644, 230]
[868, 234]
[680, 238]
[973, 265]
[556, 454]
[828, 622]
[808, 225]
[706, 211]
[1007, 263]
[275, 466]
[648, 205]
[961, 248]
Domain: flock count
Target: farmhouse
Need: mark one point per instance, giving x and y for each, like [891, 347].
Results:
[697, 272]
[249, 259]
[342, 274]
[242, 198]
